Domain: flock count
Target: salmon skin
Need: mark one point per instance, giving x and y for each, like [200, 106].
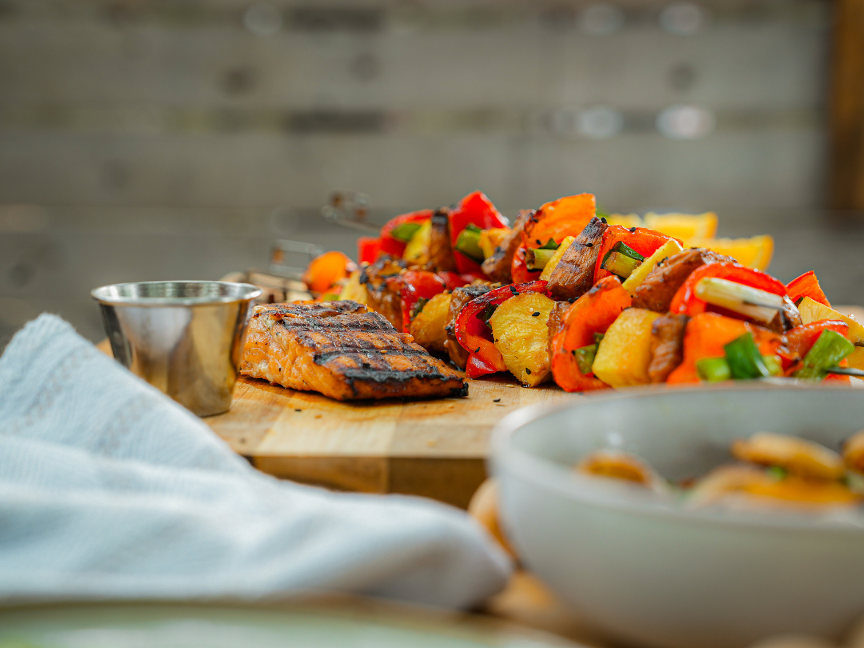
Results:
[343, 351]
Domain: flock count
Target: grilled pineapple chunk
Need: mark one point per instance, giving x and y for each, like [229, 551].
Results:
[354, 290]
[491, 238]
[624, 353]
[428, 326]
[521, 335]
[417, 250]
[556, 258]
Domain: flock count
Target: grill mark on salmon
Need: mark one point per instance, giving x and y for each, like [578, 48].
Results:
[342, 351]
[574, 274]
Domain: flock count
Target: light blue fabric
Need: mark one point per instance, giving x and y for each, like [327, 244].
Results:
[110, 489]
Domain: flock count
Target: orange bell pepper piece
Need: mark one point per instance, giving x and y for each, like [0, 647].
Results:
[326, 269]
[592, 313]
[706, 335]
[559, 219]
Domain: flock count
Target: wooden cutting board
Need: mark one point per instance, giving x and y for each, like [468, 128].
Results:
[435, 448]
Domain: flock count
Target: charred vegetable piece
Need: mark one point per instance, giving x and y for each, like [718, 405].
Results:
[522, 338]
[668, 249]
[744, 359]
[573, 275]
[667, 345]
[830, 348]
[497, 267]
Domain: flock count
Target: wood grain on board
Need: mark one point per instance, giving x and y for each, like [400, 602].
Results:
[435, 448]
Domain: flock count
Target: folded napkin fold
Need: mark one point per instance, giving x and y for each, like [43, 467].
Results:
[110, 489]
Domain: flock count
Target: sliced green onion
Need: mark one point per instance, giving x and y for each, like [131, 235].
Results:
[468, 242]
[777, 473]
[756, 304]
[829, 349]
[713, 369]
[486, 313]
[773, 365]
[627, 251]
[404, 231]
[745, 361]
[622, 260]
[538, 258]
[549, 245]
[585, 358]
[598, 337]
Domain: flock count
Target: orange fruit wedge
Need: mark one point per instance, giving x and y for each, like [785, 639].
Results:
[755, 252]
[683, 226]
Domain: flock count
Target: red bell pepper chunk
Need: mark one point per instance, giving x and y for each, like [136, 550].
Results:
[415, 285]
[801, 338]
[807, 285]
[592, 313]
[686, 301]
[640, 239]
[368, 249]
[389, 243]
[476, 367]
[473, 209]
[474, 334]
[519, 271]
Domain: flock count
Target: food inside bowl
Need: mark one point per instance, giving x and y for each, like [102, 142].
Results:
[771, 468]
[591, 301]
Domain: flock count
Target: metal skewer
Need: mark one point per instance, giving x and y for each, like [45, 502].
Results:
[846, 371]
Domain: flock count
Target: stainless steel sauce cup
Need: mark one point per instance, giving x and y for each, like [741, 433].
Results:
[183, 337]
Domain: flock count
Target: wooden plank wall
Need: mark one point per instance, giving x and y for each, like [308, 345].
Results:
[847, 108]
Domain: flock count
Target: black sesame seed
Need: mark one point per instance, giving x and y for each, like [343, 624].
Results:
[537, 314]
[632, 230]
[589, 245]
[527, 371]
[496, 400]
[571, 300]
[298, 410]
[539, 242]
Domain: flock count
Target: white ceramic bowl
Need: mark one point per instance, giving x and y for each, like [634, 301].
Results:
[646, 570]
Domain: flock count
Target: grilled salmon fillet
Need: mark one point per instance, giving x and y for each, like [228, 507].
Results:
[343, 351]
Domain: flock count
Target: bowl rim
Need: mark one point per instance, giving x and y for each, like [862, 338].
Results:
[99, 294]
[626, 498]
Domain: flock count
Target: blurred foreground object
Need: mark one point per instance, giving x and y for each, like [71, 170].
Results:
[183, 337]
[110, 489]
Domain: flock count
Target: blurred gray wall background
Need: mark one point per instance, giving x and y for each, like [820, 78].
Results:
[144, 140]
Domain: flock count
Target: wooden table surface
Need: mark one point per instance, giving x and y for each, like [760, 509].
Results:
[433, 448]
